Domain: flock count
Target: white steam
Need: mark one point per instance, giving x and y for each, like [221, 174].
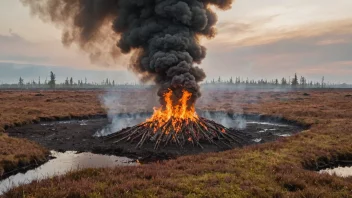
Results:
[236, 121]
[130, 107]
[124, 109]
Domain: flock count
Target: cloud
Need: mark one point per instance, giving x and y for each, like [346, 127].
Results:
[313, 51]
[12, 38]
[243, 27]
[14, 48]
[332, 41]
[234, 31]
[332, 28]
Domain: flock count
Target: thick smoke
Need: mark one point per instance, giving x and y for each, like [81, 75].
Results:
[164, 35]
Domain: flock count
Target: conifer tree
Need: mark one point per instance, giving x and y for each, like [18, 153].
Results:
[52, 81]
[295, 81]
[21, 82]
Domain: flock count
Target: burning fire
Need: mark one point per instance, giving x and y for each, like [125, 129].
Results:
[177, 123]
[179, 113]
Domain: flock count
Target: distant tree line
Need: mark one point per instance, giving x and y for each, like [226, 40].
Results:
[295, 82]
[70, 83]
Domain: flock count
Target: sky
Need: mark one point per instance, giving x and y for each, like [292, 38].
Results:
[256, 39]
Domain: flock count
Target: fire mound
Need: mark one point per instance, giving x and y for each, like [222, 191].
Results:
[179, 124]
[181, 133]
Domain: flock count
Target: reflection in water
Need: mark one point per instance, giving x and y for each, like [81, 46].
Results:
[267, 123]
[63, 163]
[339, 171]
[81, 122]
[283, 135]
[257, 140]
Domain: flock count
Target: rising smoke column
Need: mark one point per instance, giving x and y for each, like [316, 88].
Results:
[163, 35]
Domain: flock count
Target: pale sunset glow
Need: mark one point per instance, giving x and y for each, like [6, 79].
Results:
[256, 39]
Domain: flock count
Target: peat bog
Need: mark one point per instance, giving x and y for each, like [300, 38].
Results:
[77, 144]
[274, 169]
[85, 135]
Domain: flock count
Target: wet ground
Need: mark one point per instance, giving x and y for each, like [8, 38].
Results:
[86, 135]
[63, 163]
[77, 144]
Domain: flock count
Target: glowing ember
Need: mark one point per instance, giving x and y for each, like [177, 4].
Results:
[178, 113]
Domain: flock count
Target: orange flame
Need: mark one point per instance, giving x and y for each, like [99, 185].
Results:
[178, 113]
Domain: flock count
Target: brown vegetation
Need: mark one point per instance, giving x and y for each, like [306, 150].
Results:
[19, 153]
[277, 169]
[18, 108]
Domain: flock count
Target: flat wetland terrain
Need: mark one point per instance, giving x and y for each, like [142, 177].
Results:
[283, 168]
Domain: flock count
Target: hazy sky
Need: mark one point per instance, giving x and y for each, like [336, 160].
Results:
[256, 39]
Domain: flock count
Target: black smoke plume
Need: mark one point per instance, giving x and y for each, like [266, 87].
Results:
[164, 35]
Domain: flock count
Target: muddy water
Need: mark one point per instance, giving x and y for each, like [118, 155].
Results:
[339, 171]
[63, 163]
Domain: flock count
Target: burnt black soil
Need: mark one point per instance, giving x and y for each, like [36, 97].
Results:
[76, 135]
